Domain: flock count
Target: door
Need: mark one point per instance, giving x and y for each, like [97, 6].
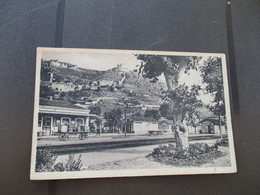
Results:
[210, 129]
[47, 124]
[65, 122]
[79, 124]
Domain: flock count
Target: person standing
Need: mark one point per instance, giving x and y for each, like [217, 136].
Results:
[98, 131]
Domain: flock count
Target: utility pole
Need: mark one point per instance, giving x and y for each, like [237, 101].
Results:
[125, 120]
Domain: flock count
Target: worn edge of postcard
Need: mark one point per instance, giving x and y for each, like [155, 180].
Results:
[132, 172]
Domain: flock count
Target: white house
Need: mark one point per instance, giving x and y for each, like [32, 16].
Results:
[141, 125]
[63, 87]
[105, 83]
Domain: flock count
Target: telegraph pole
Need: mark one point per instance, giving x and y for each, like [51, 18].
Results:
[125, 120]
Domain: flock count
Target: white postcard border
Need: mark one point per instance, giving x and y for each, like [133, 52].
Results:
[137, 172]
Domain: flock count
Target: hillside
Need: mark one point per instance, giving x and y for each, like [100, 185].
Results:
[108, 89]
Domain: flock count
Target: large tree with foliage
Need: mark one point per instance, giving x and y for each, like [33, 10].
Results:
[113, 118]
[97, 120]
[165, 111]
[182, 99]
[211, 72]
[95, 109]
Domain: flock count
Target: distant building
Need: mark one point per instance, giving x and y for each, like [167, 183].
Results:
[63, 87]
[211, 126]
[105, 83]
[150, 107]
[141, 125]
[166, 125]
[145, 107]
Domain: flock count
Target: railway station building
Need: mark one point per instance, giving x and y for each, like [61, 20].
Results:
[53, 119]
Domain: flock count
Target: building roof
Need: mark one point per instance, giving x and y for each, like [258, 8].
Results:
[64, 111]
[142, 119]
[214, 121]
[169, 122]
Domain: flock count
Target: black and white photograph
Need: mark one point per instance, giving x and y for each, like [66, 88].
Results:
[124, 113]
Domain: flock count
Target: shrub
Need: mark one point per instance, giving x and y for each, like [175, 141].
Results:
[196, 155]
[222, 142]
[45, 162]
[70, 165]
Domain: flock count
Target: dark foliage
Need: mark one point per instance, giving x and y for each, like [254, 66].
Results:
[95, 110]
[211, 73]
[46, 91]
[222, 142]
[113, 118]
[45, 162]
[153, 114]
[196, 155]
[70, 165]
[165, 111]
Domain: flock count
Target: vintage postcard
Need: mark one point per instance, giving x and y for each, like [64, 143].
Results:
[124, 113]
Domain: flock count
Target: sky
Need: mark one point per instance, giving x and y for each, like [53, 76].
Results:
[105, 61]
[96, 61]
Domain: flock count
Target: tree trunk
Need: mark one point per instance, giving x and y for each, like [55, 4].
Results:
[181, 136]
[180, 127]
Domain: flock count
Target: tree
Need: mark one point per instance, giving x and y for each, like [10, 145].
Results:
[171, 67]
[45, 70]
[211, 72]
[113, 118]
[62, 94]
[95, 110]
[46, 91]
[165, 111]
[97, 121]
[58, 78]
[153, 114]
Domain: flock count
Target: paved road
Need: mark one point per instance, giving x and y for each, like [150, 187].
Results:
[111, 155]
[97, 143]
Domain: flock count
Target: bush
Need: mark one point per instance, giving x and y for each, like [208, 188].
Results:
[45, 162]
[196, 155]
[222, 142]
[70, 165]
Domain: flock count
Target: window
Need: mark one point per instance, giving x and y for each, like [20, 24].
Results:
[79, 121]
[65, 121]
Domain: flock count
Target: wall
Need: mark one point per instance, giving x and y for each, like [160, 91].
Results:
[144, 127]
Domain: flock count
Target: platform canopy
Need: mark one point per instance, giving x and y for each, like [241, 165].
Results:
[64, 111]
